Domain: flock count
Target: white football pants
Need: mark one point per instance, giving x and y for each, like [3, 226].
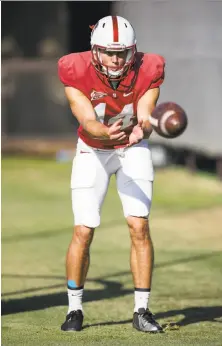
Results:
[91, 172]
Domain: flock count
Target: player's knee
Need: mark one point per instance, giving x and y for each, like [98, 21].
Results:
[139, 228]
[83, 235]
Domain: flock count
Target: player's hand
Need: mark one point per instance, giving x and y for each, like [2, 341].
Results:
[136, 135]
[114, 131]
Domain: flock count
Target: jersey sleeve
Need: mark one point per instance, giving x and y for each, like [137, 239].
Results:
[72, 72]
[157, 71]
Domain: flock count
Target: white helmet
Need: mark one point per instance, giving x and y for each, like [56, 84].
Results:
[113, 33]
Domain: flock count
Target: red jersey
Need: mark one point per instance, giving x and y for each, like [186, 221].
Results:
[76, 70]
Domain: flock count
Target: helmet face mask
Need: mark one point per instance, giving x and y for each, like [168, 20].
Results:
[117, 72]
[113, 35]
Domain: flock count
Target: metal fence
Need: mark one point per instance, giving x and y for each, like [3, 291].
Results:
[33, 100]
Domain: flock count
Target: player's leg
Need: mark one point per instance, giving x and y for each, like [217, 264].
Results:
[141, 259]
[77, 264]
[141, 262]
[89, 183]
[142, 254]
[134, 181]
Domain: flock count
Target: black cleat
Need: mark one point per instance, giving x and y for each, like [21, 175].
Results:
[73, 322]
[144, 321]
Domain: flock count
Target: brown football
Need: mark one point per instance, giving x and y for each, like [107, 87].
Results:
[169, 120]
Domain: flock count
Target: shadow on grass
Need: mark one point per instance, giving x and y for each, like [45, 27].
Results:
[194, 314]
[96, 280]
[111, 289]
[191, 315]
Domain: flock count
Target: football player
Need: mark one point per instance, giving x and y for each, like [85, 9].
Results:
[112, 91]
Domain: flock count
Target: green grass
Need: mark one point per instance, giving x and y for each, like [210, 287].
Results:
[36, 229]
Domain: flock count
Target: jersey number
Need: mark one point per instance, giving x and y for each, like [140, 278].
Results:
[126, 115]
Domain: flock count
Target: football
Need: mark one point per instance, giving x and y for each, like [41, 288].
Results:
[169, 120]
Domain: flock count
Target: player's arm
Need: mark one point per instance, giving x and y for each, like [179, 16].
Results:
[145, 106]
[83, 110]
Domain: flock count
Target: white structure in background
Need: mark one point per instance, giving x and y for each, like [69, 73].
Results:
[189, 35]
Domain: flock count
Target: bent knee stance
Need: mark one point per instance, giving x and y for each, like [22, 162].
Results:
[83, 235]
[139, 228]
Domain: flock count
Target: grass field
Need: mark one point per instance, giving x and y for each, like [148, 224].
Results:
[186, 223]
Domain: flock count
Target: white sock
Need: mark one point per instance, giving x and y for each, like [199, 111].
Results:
[75, 299]
[141, 300]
